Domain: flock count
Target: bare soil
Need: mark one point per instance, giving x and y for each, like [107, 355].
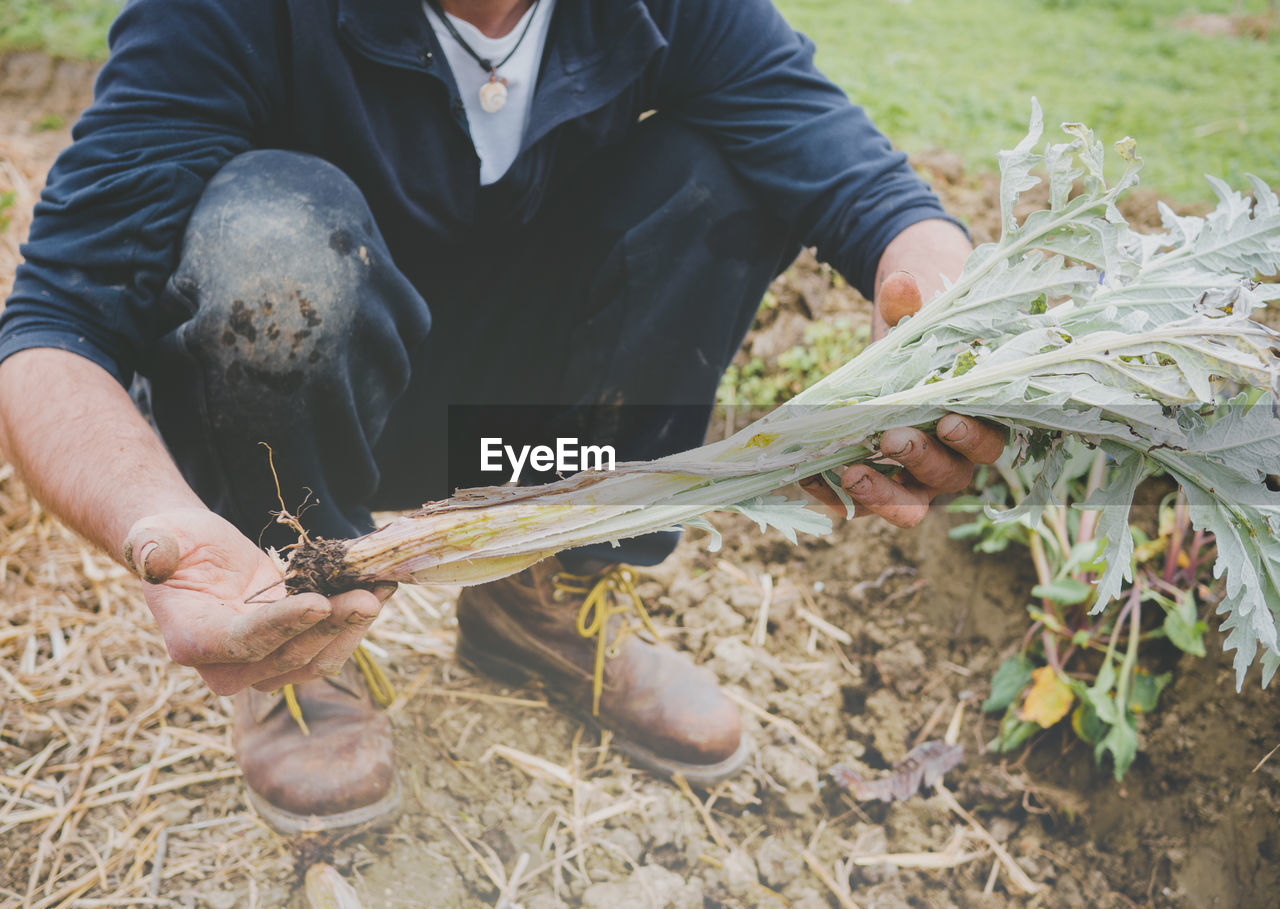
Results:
[876, 639]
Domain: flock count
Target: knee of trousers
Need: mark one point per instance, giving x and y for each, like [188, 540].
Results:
[284, 270]
[700, 187]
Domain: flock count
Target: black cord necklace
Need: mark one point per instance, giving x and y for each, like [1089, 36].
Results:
[493, 94]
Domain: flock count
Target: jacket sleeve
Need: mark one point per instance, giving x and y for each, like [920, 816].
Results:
[188, 85]
[736, 69]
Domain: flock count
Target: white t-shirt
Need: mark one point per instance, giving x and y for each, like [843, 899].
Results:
[496, 135]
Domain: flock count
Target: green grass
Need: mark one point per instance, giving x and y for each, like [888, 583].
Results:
[64, 28]
[959, 74]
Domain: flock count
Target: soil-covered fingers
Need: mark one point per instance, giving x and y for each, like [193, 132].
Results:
[903, 503]
[267, 627]
[219, 636]
[933, 465]
[329, 646]
[329, 661]
[977, 441]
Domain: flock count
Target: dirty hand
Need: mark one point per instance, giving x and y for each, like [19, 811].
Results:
[221, 605]
[932, 464]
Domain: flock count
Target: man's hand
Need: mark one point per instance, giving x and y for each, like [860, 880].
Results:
[221, 605]
[932, 464]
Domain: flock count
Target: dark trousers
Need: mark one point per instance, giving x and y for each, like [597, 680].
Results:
[631, 290]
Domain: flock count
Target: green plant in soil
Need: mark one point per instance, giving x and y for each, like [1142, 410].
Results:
[825, 346]
[1090, 670]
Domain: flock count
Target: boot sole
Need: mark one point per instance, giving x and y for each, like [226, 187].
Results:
[381, 813]
[701, 775]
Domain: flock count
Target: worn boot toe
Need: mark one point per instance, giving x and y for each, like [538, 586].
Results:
[338, 773]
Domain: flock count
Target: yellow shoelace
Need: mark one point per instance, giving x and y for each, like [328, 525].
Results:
[380, 688]
[604, 596]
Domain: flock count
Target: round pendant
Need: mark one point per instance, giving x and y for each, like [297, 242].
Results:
[493, 96]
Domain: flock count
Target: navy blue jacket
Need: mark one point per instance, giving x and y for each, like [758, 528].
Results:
[363, 84]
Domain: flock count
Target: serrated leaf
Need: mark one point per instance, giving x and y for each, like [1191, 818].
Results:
[1249, 558]
[1015, 169]
[1115, 501]
[787, 516]
[1270, 663]
[1040, 496]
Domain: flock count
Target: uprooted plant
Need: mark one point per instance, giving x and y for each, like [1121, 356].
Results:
[1070, 325]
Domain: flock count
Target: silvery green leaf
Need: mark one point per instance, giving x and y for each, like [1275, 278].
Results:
[1270, 663]
[1051, 412]
[787, 516]
[716, 541]
[1004, 290]
[1015, 170]
[1248, 557]
[1114, 502]
[1040, 496]
[1266, 204]
[1244, 437]
[1238, 236]
[1096, 242]
[1090, 156]
[1182, 230]
[1155, 304]
[832, 480]
[1132, 408]
[1059, 161]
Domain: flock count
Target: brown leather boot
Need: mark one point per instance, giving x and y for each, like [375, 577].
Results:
[666, 713]
[339, 774]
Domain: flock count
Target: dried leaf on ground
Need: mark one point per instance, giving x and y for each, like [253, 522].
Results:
[924, 765]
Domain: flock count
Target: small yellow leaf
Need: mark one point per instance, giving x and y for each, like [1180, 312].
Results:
[1048, 699]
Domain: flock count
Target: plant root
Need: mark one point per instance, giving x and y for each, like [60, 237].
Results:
[320, 566]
